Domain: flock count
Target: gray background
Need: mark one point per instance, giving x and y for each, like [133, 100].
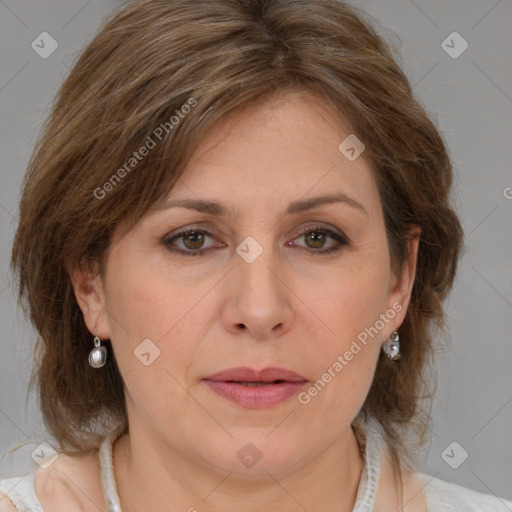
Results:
[469, 98]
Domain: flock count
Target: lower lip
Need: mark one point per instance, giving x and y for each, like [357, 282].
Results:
[255, 396]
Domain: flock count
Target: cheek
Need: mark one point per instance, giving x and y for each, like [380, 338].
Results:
[347, 309]
[343, 360]
[148, 297]
[149, 313]
[348, 299]
[151, 338]
[333, 400]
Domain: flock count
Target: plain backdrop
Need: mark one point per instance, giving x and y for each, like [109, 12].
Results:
[469, 97]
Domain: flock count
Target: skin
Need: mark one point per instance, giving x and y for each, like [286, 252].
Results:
[215, 311]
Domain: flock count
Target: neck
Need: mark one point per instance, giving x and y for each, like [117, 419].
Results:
[146, 481]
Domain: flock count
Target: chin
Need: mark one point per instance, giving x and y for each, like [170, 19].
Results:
[255, 455]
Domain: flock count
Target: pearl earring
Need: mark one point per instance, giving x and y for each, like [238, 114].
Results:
[392, 346]
[98, 355]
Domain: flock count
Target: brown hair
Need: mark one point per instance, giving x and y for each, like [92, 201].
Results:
[151, 59]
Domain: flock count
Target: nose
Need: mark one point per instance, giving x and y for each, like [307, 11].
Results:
[260, 301]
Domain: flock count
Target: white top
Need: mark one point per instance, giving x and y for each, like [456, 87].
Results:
[441, 496]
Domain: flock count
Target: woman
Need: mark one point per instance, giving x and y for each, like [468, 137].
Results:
[234, 240]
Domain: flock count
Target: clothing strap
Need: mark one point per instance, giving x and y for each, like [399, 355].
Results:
[20, 490]
[370, 475]
[108, 481]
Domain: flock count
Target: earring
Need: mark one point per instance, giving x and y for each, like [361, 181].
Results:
[392, 346]
[98, 355]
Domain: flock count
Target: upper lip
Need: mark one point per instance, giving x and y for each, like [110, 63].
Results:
[245, 374]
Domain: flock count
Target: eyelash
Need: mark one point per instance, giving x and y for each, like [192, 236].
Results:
[342, 240]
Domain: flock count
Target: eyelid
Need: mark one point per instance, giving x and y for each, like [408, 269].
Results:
[202, 227]
[167, 239]
[207, 228]
[328, 229]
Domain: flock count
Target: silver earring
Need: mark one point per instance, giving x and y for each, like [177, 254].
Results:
[392, 346]
[98, 355]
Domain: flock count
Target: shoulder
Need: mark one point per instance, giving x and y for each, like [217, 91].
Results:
[443, 496]
[17, 493]
[69, 482]
[6, 505]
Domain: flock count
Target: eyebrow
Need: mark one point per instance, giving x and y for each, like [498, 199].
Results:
[295, 207]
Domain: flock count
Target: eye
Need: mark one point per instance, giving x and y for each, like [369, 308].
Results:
[315, 238]
[191, 242]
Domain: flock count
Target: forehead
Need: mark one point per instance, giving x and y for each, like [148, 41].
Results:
[273, 152]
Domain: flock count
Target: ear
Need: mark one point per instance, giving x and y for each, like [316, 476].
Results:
[401, 282]
[89, 292]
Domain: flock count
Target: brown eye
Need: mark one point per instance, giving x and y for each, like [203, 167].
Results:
[192, 242]
[188, 243]
[193, 239]
[315, 239]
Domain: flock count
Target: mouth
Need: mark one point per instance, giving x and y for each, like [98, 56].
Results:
[256, 389]
[244, 374]
[258, 383]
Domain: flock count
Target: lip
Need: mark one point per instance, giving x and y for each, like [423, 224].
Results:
[244, 373]
[227, 384]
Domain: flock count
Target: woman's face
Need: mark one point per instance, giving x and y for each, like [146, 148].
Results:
[250, 289]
